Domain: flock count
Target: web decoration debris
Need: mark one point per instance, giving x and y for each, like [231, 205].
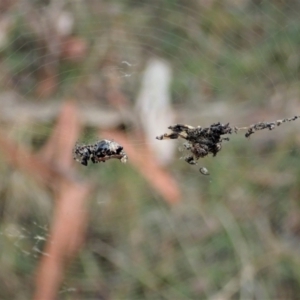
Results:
[203, 171]
[266, 125]
[202, 141]
[101, 151]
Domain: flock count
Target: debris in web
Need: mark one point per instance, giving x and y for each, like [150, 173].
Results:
[101, 151]
[202, 141]
[266, 125]
[203, 171]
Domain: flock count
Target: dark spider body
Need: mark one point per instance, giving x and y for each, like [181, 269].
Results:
[99, 152]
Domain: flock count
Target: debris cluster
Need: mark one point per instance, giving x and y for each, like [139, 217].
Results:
[202, 141]
[267, 125]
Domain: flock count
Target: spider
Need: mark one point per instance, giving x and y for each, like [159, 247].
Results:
[200, 141]
[99, 152]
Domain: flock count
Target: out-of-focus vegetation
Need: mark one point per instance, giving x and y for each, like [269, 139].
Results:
[235, 233]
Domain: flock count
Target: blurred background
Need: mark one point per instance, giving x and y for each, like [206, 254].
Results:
[154, 228]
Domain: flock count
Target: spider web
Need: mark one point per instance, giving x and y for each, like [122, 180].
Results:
[235, 233]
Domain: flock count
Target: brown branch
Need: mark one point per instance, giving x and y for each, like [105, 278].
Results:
[144, 161]
[15, 110]
[70, 214]
[20, 158]
[53, 167]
